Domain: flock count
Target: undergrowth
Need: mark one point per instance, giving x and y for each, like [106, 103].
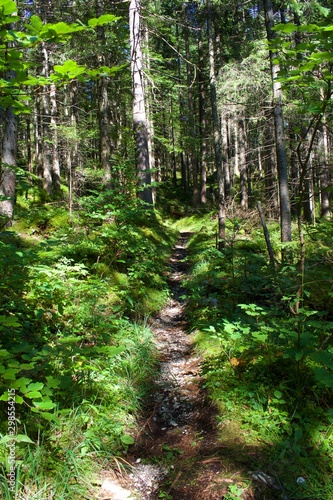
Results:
[268, 350]
[76, 356]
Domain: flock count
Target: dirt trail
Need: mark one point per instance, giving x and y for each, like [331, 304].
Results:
[176, 454]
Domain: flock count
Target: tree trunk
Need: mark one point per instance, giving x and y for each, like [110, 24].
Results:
[242, 163]
[8, 160]
[103, 106]
[294, 171]
[217, 135]
[105, 147]
[324, 173]
[139, 111]
[202, 124]
[267, 238]
[192, 127]
[281, 156]
[50, 159]
[149, 117]
[226, 154]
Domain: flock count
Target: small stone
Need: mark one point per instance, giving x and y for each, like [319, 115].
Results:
[117, 491]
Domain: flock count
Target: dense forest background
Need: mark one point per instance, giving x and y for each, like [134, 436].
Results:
[121, 123]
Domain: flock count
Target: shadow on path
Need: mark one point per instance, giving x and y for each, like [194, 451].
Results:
[180, 451]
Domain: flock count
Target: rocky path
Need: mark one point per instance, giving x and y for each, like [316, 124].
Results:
[173, 456]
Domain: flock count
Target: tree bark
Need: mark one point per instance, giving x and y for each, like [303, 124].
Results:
[50, 158]
[281, 156]
[242, 162]
[324, 173]
[217, 135]
[226, 154]
[267, 238]
[7, 173]
[192, 128]
[202, 124]
[139, 111]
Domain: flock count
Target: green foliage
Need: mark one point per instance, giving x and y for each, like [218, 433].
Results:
[16, 44]
[71, 347]
[268, 364]
[306, 66]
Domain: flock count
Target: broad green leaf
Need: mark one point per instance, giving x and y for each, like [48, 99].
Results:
[9, 321]
[126, 439]
[35, 24]
[229, 328]
[4, 354]
[310, 28]
[46, 391]
[35, 386]
[323, 357]
[33, 394]
[70, 68]
[110, 350]
[10, 374]
[58, 30]
[48, 416]
[299, 355]
[324, 377]
[69, 340]
[8, 7]
[285, 28]
[35, 80]
[105, 70]
[27, 366]
[53, 382]
[100, 21]
[22, 438]
[18, 438]
[259, 336]
[44, 405]
[13, 363]
[22, 383]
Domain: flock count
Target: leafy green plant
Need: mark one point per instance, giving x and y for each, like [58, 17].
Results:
[234, 492]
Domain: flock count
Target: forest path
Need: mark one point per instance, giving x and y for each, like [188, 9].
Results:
[176, 451]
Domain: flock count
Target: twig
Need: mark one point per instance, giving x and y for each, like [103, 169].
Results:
[174, 482]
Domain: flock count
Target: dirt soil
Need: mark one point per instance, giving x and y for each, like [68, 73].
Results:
[180, 451]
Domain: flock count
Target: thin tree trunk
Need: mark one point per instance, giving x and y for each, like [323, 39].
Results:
[192, 127]
[285, 214]
[8, 160]
[225, 154]
[149, 116]
[324, 174]
[294, 171]
[105, 147]
[54, 135]
[202, 124]
[50, 159]
[217, 135]
[267, 238]
[103, 107]
[242, 161]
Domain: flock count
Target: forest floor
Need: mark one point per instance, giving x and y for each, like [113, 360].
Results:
[180, 452]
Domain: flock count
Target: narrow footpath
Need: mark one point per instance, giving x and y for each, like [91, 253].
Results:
[176, 452]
